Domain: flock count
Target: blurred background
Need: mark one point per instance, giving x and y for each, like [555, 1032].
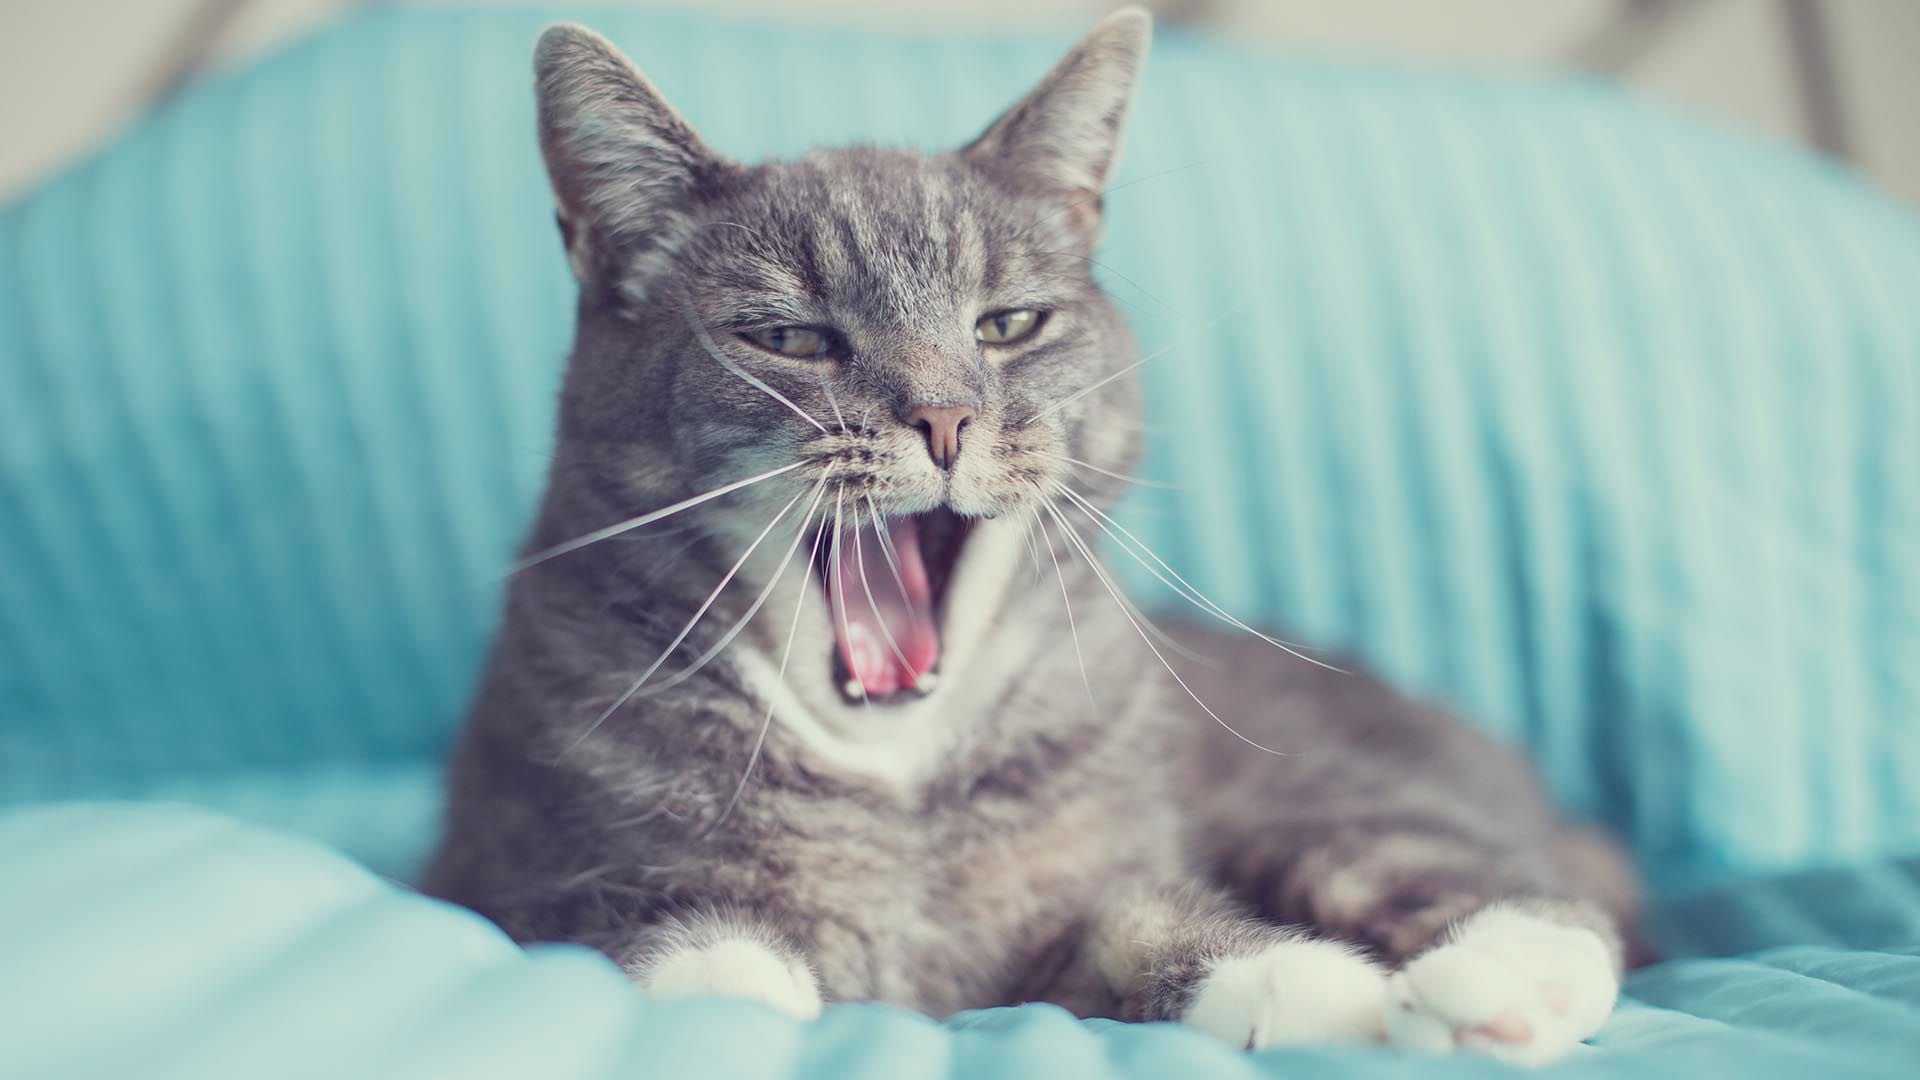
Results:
[1840, 75]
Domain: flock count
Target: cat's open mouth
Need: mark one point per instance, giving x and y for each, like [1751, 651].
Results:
[885, 596]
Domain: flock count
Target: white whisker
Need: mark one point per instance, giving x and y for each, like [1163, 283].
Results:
[1184, 590]
[886, 546]
[678, 677]
[860, 560]
[780, 679]
[649, 518]
[687, 629]
[1096, 198]
[835, 402]
[840, 588]
[1033, 546]
[1110, 271]
[1072, 629]
[1122, 477]
[1154, 355]
[1093, 564]
[700, 331]
[1152, 627]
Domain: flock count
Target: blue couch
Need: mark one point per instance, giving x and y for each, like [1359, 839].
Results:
[1595, 420]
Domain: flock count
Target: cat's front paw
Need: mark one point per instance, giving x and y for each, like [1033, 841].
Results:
[734, 968]
[1294, 992]
[1508, 984]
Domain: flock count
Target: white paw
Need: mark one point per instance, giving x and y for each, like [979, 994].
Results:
[1509, 984]
[1296, 992]
[735, 968]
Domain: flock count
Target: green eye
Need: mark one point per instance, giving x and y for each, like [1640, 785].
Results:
[799, 342]
[1007, 327]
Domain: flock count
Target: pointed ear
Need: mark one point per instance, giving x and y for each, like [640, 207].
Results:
[624, 165]
[1064, 136]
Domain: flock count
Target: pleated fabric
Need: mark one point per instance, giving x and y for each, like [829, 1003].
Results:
[1595, 420]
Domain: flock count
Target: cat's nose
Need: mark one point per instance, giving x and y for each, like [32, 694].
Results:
[942, 424]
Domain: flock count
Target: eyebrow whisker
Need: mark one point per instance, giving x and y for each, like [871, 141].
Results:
[699, 327]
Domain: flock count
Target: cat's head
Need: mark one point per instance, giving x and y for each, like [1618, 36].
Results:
[921, 334]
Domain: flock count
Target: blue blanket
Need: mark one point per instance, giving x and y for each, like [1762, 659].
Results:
[161, 942]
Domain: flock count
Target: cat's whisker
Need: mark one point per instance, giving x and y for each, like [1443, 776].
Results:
[755, 233]
[1122, 477]
[1033, 546]
[1149, 358]
[1095, 199]
[638, 820]
[712, 347]
[835, 402]
[1093, 563]
[1155, 176]
[691, 623]
[1152, 627]
[886, 547]
[840, 588]
[860, 561]
[1141, 289]
[1184, 589]
[780, 680]
[1072, 628]
[1165, 639]
[648, 518]
[678, 677]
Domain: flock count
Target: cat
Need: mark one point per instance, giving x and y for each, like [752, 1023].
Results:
[850, 710]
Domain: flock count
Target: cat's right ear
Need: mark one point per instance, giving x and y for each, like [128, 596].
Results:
[1064, 136]
[624, 165]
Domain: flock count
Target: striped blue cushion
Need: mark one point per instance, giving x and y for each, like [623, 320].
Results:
[1595, 420]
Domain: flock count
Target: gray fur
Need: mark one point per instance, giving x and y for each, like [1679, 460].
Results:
[1046, 818]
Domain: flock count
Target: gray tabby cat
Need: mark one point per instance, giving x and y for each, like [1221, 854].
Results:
[824, 736]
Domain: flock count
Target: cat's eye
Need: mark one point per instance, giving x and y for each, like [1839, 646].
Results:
[799, 342]
[1007, 327]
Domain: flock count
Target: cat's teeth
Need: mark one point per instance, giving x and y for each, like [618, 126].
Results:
[926, 682]
[851, 688]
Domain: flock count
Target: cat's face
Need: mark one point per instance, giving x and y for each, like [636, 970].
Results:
[922, 335]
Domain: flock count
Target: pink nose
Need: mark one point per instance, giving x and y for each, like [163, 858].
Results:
[942, 423]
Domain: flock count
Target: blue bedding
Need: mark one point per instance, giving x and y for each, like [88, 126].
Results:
[1594, 420]
[160, 941]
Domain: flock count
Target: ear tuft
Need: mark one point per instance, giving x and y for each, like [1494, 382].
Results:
[1065, 135]
[624, 165]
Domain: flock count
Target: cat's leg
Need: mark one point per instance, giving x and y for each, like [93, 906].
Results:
[1493, 957]
[1188, 953]
[719, 954]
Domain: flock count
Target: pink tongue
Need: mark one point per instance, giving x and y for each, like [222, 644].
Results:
[888, 641]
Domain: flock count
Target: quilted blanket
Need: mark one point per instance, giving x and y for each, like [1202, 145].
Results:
[161, 942]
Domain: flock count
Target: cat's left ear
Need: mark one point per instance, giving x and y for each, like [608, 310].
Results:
[625, 167]
[1064, 137]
